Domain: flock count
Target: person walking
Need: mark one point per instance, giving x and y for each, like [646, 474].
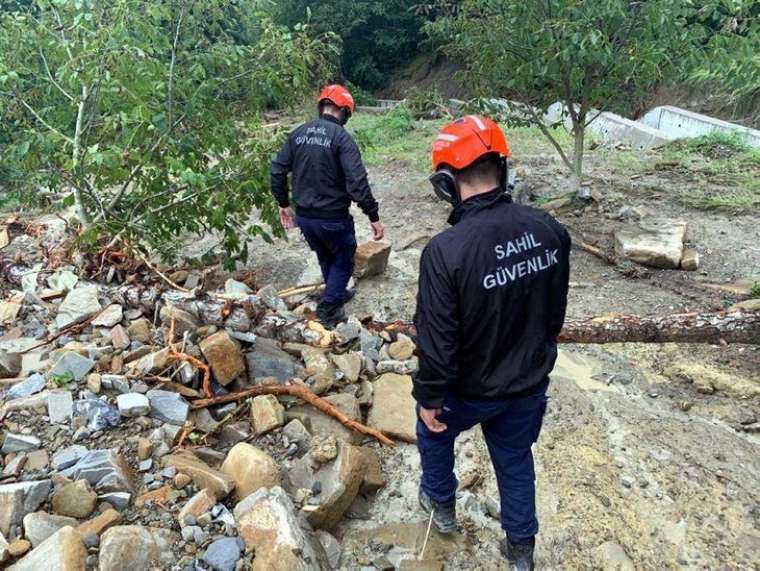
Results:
[491, 303]
[327, 175]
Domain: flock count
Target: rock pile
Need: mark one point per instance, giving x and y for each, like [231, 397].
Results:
[109, 463]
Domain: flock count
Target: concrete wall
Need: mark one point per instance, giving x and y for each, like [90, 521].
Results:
[680, 123]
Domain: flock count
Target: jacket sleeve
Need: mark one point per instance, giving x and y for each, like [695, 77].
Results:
[562, 283]
[282, 164]
[437, 323]
[357, 183]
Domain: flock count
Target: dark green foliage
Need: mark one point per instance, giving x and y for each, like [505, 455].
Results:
[378, 36]
[146, 116]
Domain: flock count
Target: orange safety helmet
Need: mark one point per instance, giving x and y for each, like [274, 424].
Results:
[339, 96]
[459, 145]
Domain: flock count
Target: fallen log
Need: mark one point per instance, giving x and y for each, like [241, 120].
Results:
[718, 327]
[729, 327]
[302, 393]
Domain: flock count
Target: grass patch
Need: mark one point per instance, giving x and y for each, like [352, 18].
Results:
[724, 169]
[395, 136]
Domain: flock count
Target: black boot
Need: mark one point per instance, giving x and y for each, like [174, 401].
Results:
[330, 314]
[444, 514]
[519, 553]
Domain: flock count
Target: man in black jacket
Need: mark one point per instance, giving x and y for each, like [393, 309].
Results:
[328, 174]
[491, 303]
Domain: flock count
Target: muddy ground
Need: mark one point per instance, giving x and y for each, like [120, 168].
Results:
[638, 466]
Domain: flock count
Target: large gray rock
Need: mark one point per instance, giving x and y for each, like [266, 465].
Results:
[339, 481]
[267, 523]
[62, 551]
[135, 548]
[655, 243]
[105, 470]
[394, 410]
[183, 320]
[67, 457]
[19, 499]
[321, 424]
[19, 443]
[32, 385]
[268, 360]
[168, 406]
[38, 526]
[80, 304]
[74, 363]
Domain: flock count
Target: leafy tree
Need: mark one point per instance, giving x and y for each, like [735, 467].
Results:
[729, 66]
[587, 54]
[147, 115]
[378, 35]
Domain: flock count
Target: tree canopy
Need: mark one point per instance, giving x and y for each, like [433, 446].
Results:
[148, 114]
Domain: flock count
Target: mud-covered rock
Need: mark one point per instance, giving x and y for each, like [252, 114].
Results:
[75, 499]
[251, 469]
[62, 551]
[223, 355]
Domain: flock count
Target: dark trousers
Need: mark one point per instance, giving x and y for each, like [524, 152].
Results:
[510, 427]
[334, 242]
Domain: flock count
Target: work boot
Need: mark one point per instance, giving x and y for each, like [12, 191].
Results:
[350, 294]
[444, 514]
[330, 314]
[519, 553]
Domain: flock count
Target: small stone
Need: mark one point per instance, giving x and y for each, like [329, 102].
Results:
[296, 433]
[60, 406]
[97, 525]
[145, 465]
[31, 385]
[71, 363]
[120, 337]
[320, 370]
[75, 499]
[402, 349]
[69, 456]
[144, 448]
[133, 547]
[268, 360]
[223, 554]
[349, 364]
[627, 481]
[19, 443]
[182, 480]
[199, 504]
[133, 404]
[266, 413]
[80, 304]
[168, 406]
[690, 260]
[19, 547]
[94, 383]
[10, 365]
[140, 330]
[324, 449]
[223, 355]
[184, 321]
[251, 469]
[203, 475]
[110, 316]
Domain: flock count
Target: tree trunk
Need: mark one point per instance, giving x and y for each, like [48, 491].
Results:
[579, 136]
[81, 211]
[734, 327]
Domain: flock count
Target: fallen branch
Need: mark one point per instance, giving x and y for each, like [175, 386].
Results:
[304, 394]
[160, 274]
[197, 363]
[73, 328]
[301, 290]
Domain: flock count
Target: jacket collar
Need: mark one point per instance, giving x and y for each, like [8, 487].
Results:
[330, 118]
[479, 202]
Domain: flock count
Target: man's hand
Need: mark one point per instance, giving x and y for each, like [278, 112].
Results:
[378, 231]
[287, 218]
[428, 416]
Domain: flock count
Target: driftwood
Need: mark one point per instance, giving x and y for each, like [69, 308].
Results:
[729, 327]
[302, 393]
[721, 326]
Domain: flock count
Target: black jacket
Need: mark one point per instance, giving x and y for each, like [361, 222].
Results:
[327, 172]
[491, 302]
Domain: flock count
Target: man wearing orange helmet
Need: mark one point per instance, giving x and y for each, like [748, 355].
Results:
[328, 174]
[491, 303]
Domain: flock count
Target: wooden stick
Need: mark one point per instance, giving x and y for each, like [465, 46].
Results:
[160, 274]
[595, 251]
[300, 290]
[177, 356]
[304, 394]
[73, 328]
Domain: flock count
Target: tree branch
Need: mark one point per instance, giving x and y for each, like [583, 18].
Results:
[542, 126]
[52, 79]
[171, 69]
[45, 123]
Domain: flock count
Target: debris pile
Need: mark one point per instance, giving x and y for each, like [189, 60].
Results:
[148, 427]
